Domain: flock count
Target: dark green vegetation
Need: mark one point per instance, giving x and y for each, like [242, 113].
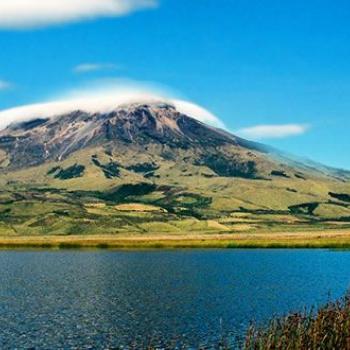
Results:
[341, 196]
[69, 173]
[305, 208]
[110, 169]
[223, 166]
[146, 168]
[329, 328]
[279, 173]
[143, 167]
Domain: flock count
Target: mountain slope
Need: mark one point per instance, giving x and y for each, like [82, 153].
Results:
[149, 168]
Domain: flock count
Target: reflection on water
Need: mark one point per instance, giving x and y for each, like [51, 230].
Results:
[102, 299]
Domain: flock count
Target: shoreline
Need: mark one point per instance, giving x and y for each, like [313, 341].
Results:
[336, 239]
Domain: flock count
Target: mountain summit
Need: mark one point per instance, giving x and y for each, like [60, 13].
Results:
[36, 141]
[153, 155]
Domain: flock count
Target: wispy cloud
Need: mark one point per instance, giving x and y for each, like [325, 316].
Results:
[94, 67]
[104, 98]
[22, 14]
[261, 132]
[5, 85]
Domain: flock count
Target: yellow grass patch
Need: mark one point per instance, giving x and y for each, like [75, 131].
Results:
[319, 239]
[139, 207]
[212, 224]
[95, 205]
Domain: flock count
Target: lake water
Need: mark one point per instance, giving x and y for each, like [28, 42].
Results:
[105, 299]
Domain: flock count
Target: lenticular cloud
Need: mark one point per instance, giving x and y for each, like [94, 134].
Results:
[102, 102]
[260, 132]
[22, 14]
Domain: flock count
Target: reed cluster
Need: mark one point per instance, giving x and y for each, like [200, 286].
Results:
[328, 328]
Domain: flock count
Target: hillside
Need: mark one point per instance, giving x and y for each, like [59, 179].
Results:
[145, 168]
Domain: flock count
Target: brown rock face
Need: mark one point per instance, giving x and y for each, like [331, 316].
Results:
[34, 142]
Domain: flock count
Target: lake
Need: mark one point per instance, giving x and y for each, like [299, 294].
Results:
[181, 298]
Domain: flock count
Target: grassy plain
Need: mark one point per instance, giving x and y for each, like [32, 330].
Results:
[316, 239]
[177, 204]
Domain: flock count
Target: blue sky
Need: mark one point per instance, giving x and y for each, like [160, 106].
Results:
[251, 63]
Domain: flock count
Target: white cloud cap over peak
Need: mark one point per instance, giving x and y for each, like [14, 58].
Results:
[94, 67]
[103, 100]
[261, 132]
[198, 112]
[22, 14]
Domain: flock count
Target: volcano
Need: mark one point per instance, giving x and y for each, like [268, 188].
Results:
[149, 167]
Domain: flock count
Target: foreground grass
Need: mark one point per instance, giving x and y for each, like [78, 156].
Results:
[316, 239]
[329, 328]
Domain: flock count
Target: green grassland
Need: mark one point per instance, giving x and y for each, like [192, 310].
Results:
[91, 194]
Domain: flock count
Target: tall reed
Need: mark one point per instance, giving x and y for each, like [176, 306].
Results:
[328, 328]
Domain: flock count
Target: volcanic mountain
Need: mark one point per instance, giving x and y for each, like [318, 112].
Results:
[146, 167]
